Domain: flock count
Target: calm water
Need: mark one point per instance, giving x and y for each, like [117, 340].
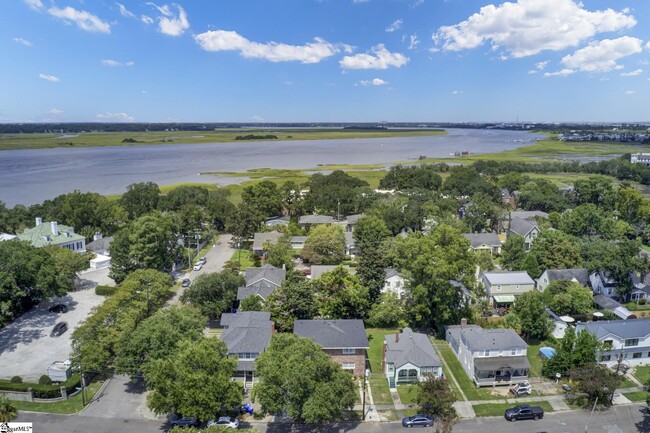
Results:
[31, 176]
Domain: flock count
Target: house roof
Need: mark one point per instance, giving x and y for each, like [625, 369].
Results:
[521, 226]
[278, 221]
[508, 277]
[100, 244]
[260, 239]
[298, 239]
[265, 276]
[581, 275]
[316, 219]
[502, 363]
[411, 347]
[478, 239]
[477, 338]
[390, 273]
[638, 328]
[263, 291]
[247, 331]
[42, 235]
[6, 237]
[353, 219]
[609, 304]
[334, 334]
[317, 271]
[528, 214]
[460, 286]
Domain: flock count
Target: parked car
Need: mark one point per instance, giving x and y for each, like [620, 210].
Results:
[417, 421]
[183, 421]
[202, 260]
[524, 412]
[224, 421]
[58, 308]
[59, 329]
[198, 266]
[186, 282]
[523, 388]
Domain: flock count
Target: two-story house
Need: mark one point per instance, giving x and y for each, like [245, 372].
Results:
[579, 275]
[409, 357]
[602, 283]
[503, 287]
[393, 282]
[345, 341]
[627, 339]
[488, 242]
[52, 233]
[246, 334]
[489, 356]
[527, 229]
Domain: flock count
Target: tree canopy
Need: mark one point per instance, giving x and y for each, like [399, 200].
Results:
[325, 245]
[213, 293]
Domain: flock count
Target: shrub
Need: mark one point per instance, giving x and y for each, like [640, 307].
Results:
[43, 391]
[643, 301]
[105, 290]
[16, 379]
[45, 380]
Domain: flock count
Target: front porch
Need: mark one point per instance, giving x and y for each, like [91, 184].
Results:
[410, 374]
[501, 371]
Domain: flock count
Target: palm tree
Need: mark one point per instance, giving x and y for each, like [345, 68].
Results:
[7, 410]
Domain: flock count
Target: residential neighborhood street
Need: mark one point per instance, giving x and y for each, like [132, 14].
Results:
[620, 419]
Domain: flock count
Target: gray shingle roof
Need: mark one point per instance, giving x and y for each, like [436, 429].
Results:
[391, 272]
[353, 219]
[477, 338]
[478, 239]
[316, 219]
[100, 244]
[260, 239]
[528, 214]
[581, 275]
[263, 292]
[247, 332]
[411, 347]
[265, 276]
[637, 328]
[508, 277]
[333, 334]
[317, 271]
[521, 226]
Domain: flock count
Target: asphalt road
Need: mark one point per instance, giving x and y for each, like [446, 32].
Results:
[621, 419]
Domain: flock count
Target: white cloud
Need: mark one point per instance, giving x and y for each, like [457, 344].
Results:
[48, 77]
[124, 11]
[115, 64]
[313, 52]
[601, 56]
[630, 92]
[397, 24]
[83, 19]
[414, 42]
[561, 73]
[37, 5]
[633, 73]
[532, 71]
[527, 27]
[257, 118]
[380, 59]
[146, 19]
[129, 63]
[541, 65]
[647, 46]
[114, 117]
[416, 3]
[168, 23]
[55, 111]
[457, 92]
[25, 42]
[373, 82]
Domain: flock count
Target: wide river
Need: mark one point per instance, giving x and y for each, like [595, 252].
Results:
[32, 176]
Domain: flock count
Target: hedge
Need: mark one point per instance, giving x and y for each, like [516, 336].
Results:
[105, 290]
[43, 391]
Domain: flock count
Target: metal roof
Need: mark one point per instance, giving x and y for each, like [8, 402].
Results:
[477, 338]
[266, 275]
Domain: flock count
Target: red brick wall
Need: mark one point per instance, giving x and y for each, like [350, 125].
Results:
[359, 359]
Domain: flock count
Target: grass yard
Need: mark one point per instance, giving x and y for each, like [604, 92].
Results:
[407, 393]
[380, 390]
[69, 406]
[636, 395]
[497, 409]
[389, 415]
[247, 260]
[642, 374]
[378, 382]
[627, 383]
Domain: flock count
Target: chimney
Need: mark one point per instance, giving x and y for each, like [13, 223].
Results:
[55, 228]
[463, 322]
[272, 327]
[39, 221]
[397, 337]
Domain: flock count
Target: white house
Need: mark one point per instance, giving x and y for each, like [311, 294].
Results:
[393, 282]
[52, 233]
[628, 339]
[603, 284]
[578, 275]
[409, 357]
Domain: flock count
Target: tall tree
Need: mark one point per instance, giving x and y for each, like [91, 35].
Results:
[184, 195]
[596, 190]
[534, 320]
[280, 253]
[325, 245]
[265, 197]
[436, 398]
[556, 250]
[293, 300]
[340, 295]
[336, 193]
[140, 199]
[372, 272]
[299, 379]
[513, 253]
[482, 214]
[243, 222]
[387, 313]
[369, 233]
[213, 293]
[595, 383]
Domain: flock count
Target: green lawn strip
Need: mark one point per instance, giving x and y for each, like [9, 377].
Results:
[471, 391]
[246, 258]
[378, 381]
[636, 395]
[69, 406]
[411, 411]
[497, 409]
[407, 393]
[627, 383]
[380, 390]
[642, 374]
[389, 415]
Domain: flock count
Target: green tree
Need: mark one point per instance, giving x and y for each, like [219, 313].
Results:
[575, 351]
[595, 383]
[158, 337]
[325, 245]
[195, 382]
[372, 272]
[340, 295]
[411, 177]
[534, 321]
[596, 190]
[436, 398]
[243, 222]
[140, 199]
[252, 303]
[219, 208]
[280, 253]
[369, 233]
[587, 220]
[556, 250]
[7, 410]
[466, 181]
[530, 265]
[293, 300]
[213, 293]
[299, 379]
[335, 193]
[264, 196]
[184, 195]
[148, 242]
[482, 214]
[568, 297]
[387, 313]
[68, 263]
[513, 253]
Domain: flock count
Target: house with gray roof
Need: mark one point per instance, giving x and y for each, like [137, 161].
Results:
[260, 239]
[489, 356]
[298, 242]
[578, 275]
[351, 221]
[307, 220]
[278, 221]
[409, 357]
[503, 287]
[317, 271]
[526, 229]
[489, 242]
[607, 303]
[629, 339]
[100, 244]
[52, 233]
[265, 276]
[343, 340]
[246, 334]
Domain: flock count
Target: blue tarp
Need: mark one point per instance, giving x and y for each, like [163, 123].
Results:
[546, 352]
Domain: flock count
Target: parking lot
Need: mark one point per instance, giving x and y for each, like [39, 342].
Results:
[26, 348]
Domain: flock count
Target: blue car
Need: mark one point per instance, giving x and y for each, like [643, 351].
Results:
[417, 421]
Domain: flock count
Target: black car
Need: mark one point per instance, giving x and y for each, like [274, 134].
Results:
[524, 412]
[58, 308]
[59, 329]
[417, 421]
[186, 282]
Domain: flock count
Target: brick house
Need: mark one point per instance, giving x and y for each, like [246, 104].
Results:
[345, 341]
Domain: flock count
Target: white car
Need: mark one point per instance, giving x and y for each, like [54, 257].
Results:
[202, 260]
[225, 421]
[198, 266]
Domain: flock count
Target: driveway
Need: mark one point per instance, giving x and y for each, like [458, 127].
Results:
[26, 348]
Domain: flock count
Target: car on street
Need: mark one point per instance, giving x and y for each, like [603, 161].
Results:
[198, 266]
[183, 421]
[59, 329]
[202, 260]
[186, 282]
[225, 421]
[417, 421]
[58, 308]
[524, 412]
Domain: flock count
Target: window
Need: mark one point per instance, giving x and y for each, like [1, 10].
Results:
[514, 351]
[498, 287]
[631, 342]
[349, 351]
[605, 358]
[348, 366]
[637, 355]
[484, 352]
[245, 355]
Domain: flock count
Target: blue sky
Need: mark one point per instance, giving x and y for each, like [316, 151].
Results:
[325, 60]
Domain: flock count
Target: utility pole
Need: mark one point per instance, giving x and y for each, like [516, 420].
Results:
[363, 410]
[592, 414]
[81, 375]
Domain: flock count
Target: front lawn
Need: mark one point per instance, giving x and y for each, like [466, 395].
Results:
[378, 382]
[497, 409]
[69, 406]
[407, 393]
[380, 390]
[246, 258]
[643, 374]
[636, 395]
